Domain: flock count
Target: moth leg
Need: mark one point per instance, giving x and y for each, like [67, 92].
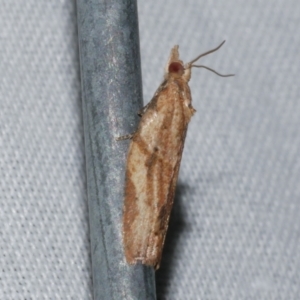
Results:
[143, 110]
[125, 137]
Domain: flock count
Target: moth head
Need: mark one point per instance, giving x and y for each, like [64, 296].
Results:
[176, 68]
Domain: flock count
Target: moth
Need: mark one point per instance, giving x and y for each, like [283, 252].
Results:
[153, 162]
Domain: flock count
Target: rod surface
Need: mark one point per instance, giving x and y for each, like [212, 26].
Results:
[112, 96]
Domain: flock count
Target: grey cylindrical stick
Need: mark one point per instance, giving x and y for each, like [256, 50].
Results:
[112, 96]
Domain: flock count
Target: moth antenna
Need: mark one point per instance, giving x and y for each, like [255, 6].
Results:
[206, 53]
[212, 70]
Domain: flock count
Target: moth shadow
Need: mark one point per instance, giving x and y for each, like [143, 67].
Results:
[177, 225]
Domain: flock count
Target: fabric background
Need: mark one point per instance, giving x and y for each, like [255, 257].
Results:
[235, 228]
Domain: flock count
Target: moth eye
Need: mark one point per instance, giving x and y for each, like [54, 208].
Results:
[176, 67]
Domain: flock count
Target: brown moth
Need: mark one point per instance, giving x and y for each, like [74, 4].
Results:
[153, 162]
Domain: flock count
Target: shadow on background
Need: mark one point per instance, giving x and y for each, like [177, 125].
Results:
[176, 227]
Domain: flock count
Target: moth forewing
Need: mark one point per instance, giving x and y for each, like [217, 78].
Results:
[153, 162]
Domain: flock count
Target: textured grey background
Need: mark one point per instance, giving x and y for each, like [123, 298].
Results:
[235, 230]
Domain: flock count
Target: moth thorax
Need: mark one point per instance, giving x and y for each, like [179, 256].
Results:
[176, 68]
